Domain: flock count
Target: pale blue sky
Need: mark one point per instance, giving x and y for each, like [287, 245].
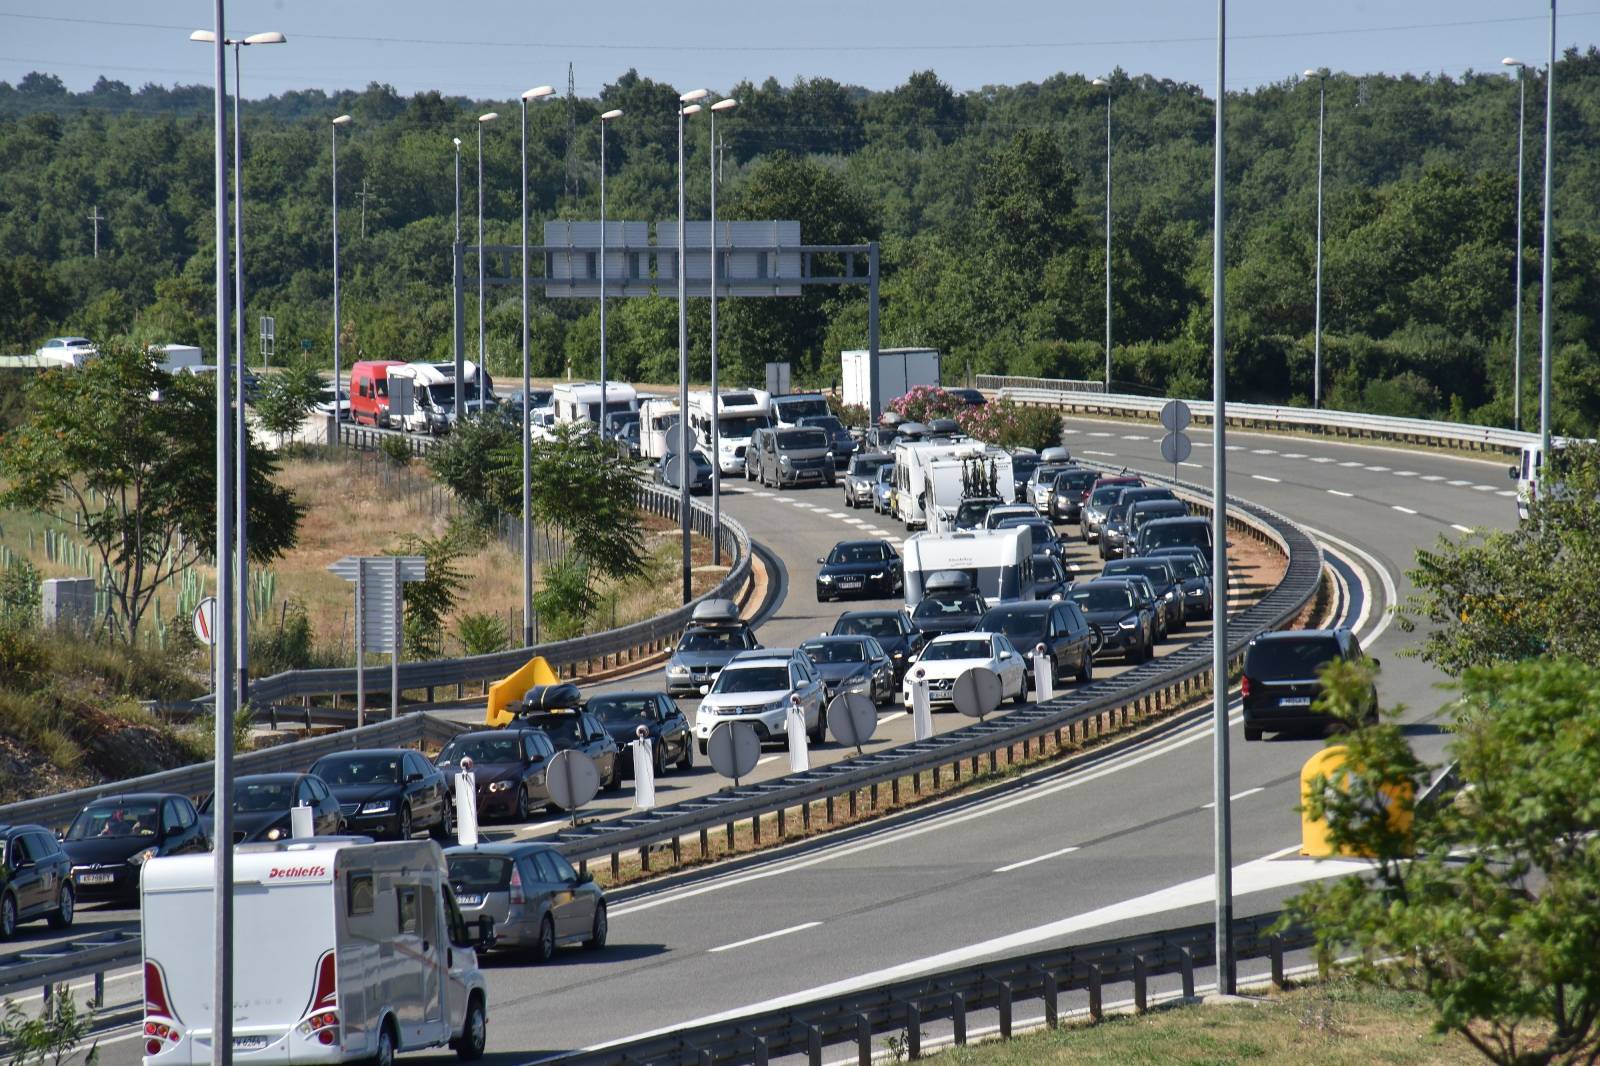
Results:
[495, 48]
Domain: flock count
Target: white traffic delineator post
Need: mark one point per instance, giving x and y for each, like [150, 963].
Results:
[466, 805]
[644, 771]
[921, 708]
[795, 725]
[1044, 683]
[300, 824]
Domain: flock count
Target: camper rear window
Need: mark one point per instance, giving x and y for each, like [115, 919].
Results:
[358, 895]
[479, 873]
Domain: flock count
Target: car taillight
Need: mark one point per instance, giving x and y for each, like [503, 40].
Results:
[326, 989]
[156, 1001]
[1244, 686]
[516, 887]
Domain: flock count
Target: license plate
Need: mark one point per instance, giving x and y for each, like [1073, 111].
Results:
[96, 879]
[1295, 701]
[469, 901]
[849, 582]
[249, 1043]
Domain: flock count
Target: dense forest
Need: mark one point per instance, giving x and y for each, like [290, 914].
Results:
[989, 206]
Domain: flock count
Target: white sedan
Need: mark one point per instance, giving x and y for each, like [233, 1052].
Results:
[947, 657]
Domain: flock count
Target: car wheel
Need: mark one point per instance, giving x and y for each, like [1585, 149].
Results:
[1252, 732]
[602, 926]
[61, 917]
[686, 760]
[447, 821]
[8, 916]
[405, 823]
[474, 1032]
[819, 735]
[384, 1056]
[658, 767]
[614, 782]
[1086, 669]
[521, 812]
[545, 948]
[1022, 688]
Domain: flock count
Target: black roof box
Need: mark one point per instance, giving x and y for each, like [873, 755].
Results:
[562, 697]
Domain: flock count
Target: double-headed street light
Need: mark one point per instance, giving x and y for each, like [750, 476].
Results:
[1321, 74]
[1102, 83]
[688, 105]
[483, 120]
[605, 120]
[542, 92]
[720, 107]
[1516, 330]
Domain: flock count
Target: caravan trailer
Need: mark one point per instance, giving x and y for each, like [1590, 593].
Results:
[343, 950]
[579, 401]
[658, 417]
[999, 562]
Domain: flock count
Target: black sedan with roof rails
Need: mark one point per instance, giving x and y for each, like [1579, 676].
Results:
[1070, 489]
[1194, 570]
[869, 569]
[890, 628]
[1165, 579]
[852, 664]
[558, 712]
[262, 802]
[508, 767]
[35, 880]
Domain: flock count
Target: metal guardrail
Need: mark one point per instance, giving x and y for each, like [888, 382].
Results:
[51, 964]
[902, 1008]
[1047, 392]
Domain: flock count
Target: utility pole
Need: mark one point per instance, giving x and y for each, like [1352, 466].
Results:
[363, 194]
[96, 217]
[572, 152]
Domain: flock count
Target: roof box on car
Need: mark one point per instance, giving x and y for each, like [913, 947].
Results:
[947, 581]
[563, 697]
[716, 613]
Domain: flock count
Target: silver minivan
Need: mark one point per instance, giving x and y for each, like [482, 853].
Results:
[793, 457]
[536, 899]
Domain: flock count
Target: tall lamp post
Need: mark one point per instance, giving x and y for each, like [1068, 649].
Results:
[1516, 330]
[241, 430]
[1545, 324]
[1321, 74]
[456, 301]
[721, 106]
[1106, 85]
[341, 120]
[483, 120]
[540, 93]
[687, 106]
[605, 120]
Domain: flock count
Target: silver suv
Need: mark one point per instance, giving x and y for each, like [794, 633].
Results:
[758, 687]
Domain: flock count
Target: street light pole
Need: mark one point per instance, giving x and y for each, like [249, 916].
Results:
[1545, 324]
[716, 415]
[456, 314]
[483, 120]
[341, 120]
[527, 388]
[605, 120]
[1222, 815]
[1516, 329]
[1321, 75]
[687, 106]
[1106, 84]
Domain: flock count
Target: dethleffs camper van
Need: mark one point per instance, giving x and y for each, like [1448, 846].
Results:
[998, 562]
[343, 950]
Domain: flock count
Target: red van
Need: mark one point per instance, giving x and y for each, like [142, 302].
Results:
[369, 391]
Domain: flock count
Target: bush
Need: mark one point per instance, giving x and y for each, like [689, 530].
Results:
[565, 601]
[1011, 425]
[481, 633]
[851, 414]
[925, 402]
[396, 449]
[19, 593]
[286, 646]
[23, 656]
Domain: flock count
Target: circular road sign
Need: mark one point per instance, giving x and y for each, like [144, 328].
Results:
[1175, 415]
[852, 718]
[1175, 447]
[572, 780]
[976, 692]
[734, 749]
[205, 621]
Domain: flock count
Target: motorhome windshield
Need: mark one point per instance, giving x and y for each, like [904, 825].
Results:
[444, 393]
[742, 425]
[794, 408]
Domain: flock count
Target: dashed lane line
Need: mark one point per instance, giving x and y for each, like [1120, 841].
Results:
[1336, 492]
[1402, 510]
[1037, 858]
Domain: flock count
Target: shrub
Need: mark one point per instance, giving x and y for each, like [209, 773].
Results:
[396, 449]
[481, 633]
[1012, 425]
[19, 593]
[565, 601]
[927, 402]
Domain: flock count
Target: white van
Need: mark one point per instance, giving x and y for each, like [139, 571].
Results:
[999, 562]
[343, 950]
[579, 401]
[1527, 471]
[422, 396]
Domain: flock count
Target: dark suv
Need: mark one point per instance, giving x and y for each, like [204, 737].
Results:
[1282, 679]
[35, 879]
[1059, 625]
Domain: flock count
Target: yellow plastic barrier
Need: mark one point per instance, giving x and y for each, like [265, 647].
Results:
[510, 690]
[1329, 763]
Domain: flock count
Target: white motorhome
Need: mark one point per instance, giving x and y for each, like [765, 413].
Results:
[343, 950]
[740, 413]
[1529, 470]
[175, 357]
[912, 458]
[65, 351]
[949, 479]
[999, 562]
[658, 416]
[579, 401]
[422, 396]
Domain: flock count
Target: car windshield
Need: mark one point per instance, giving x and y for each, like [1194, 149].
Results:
[795, 410]
[479, 873]
[1105, 495]
[1289, 660]
[115, 820]
[857, 553]
[1102, 597]
[1187, 566]
[1183, 535]
[836, 651]
[506, 748]
[949, 607]
[973, 511]
[1043, 532]
[564, 730]
[1074, 480]
[1046, 474]
[442, 395]
[1156, 573]
[1047, 568]
[870, 625]
[1022, 467]
[360, 770]
[868, 467]
[956, 649]
[886, 473]
[1025, 628]
[618, 710]
[253, 796]
[753, 679]
[802, 438]
[735, 639]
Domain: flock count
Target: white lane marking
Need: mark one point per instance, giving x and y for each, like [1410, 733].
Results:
[1376, 469]
[1459, 526]
[1402, 510]
[891, 717]
[840, 515]
[783, 499]
[1433, 477]
[1294, 455]
[1458, 482]
[1197, 466]
[1086, 451]
[1352, 462]
[1263, 451]
[1506, 492]
[1258, 875]
[766, 936]
[767, 758]
[1099, 434]
[1336, 492]
[1483, 488]
[763, 495]
[1234, 447]
[1232, 798]
[1263, 477]
[1391, 596]
[1405, 473]
[1133, 436]
[1037, 858]
[1069, 431]
[1321, 459]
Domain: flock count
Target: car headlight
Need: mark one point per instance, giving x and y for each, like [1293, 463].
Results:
[1171, 593]
[678, 671]
[1130, 622]
[783, 460]
[276, 832]
[826, 579]
[877, 575]
[140, 858]
[377, 807]
[499, 786]
[899, 654]
[1197, 592]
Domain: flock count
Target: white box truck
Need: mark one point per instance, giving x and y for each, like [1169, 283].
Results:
[343, 950]
[899, 371]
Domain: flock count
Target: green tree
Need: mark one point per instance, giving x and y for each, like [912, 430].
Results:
[479, 633]
[1486, 905]
[466, 460]
[139, 478]
[429, 602]
[287, 397]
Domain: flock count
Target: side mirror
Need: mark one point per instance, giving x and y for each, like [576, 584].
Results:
[1377, 664]
[485, 937]
[413, 778]
[1005, 654]
[821, 561]
[585, 878]
[1516, 473]
[705, 690]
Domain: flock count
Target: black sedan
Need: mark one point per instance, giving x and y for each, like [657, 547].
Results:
[1126, 627]
[112, 838]
[389, 793]
[261, 805]
[580, 731]
[622, 713]
[852, 664]
[891, 629]
[35, 879]
[508, 767]
[1045, 541]
[1067, 496]
[866, 568]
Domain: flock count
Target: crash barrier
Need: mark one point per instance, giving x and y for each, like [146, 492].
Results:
[47, 966]
[900, 1010]
[1067, 396]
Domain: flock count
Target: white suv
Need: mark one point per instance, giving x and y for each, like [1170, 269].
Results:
[756, 687]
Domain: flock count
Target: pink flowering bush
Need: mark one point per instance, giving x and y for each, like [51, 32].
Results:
[1011, 425]
[927, 402]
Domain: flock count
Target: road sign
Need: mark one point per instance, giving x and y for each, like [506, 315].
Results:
[976, 692]
[852, 719]
[1176, 447]
[205, 621]
[269, 338]
[734, 749]
[572, 779]
[1175, 415]
[380, 582]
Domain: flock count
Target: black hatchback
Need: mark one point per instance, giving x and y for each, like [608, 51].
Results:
[1282, 679]
[112, 838]
[35, 879]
